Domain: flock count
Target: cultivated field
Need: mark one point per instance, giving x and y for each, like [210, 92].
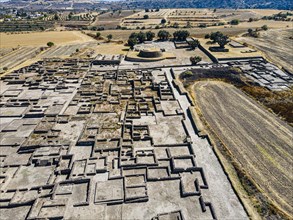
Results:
[111, 20]
[18, 56]
[276, 44]
[259, 141]
[41, 38]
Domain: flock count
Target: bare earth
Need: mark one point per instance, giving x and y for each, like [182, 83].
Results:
[276, 45]
[257, 139]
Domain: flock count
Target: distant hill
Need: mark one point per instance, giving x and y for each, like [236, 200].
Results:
[272, 4]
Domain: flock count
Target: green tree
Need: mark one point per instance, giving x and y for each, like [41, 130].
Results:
[163, 21]
[222, 40]
[146, 17]
[141, 37]
[181, 35]
[207, 36]
[98, 35]
[264, 27]
[195, 60]
[132, 42]
[150, 35]
[109, 37]
[194, 44]
[50, 44]
[234, 22]
[163, 35]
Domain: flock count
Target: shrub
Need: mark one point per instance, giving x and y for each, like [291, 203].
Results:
[50, 44]
[264, 27]
[234, 22]
[195, 60]
[109, 37]
[207, 36]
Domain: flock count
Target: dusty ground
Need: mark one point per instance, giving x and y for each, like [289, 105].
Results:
[41, 38]
[249, 132]
[111, 48]
[233, 52]
[276, 45]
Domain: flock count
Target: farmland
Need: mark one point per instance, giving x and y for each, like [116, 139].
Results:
[276, 44]
[264, 154]
[41, 38]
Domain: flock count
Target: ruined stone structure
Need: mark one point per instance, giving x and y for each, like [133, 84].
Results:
[84, 143]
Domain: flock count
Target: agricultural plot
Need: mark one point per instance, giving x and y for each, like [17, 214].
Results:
[41, 38]
[111, 20]
[138, 20]
[195, 17]
[276, 44]
[257, 139]
[18, 56]
[65, 50]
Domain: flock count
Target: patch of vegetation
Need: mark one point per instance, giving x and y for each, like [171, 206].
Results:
[50, 44]
[234, 22]
[195, 60]
[219, 38]
[163, 35]
[282, 16]
[228, 74]
[181, 35]
[279, 102]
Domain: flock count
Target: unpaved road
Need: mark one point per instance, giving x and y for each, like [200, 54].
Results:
[276, 44]
[257, 139]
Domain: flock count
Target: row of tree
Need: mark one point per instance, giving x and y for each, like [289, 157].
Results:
[163, 35]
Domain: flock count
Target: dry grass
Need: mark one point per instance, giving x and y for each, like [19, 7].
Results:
[276, 45]
[111, 48]
[41, 38]
[260, 151]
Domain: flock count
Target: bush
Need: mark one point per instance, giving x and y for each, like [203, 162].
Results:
[146, 17]
[132, 42]
[202, 25]
[163, 35]
[195, 60]
[175, 25]
[50, 44]
[207, 36]
[109, 37]
[264, 27]
[181, 35]
[163, 21]
[234, 22]
[187, 74]
[150, 35]
[194, 44]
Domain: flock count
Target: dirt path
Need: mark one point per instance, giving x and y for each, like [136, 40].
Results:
[257, 139]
